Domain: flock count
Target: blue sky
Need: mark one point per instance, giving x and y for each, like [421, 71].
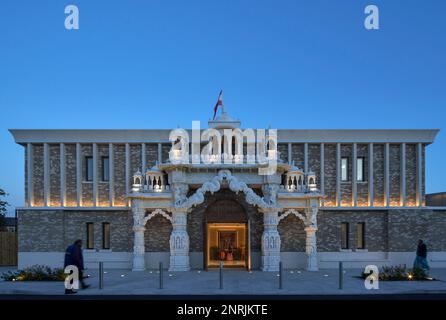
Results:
[159, 64]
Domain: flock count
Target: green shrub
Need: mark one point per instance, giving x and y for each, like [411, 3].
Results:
[35, 273]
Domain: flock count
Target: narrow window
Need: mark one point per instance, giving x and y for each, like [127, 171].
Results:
[360, 233]
[344, 169]
[105, 169]
[344, 235]
[90, 235]
[105, 235]
[89, 171]
[360, 169]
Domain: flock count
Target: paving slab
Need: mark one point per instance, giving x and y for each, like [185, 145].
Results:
[235, 282]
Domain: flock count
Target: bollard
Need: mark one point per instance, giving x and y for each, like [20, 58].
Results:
[161, 275]
[280, 275]
[221, 274]
[341, 275]
[101, 275]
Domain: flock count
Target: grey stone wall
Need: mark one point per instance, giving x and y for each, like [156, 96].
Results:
[346, 186]
[297, 156]
[54, 230]
[329, 229]
[394, 230]
[71, 179]
[54, 199]
[26, 175]
[151, 154]
[119, 174]
[165, 151]
[297, 152]
[283, 151]
[394, 174]
[406, 226]
[292, 234]
[87, 186]
[103, 186]
[135, 159]
[38, 174]
[378, 175]
[314, 160]
[423, 174]
[362, 187]
[157, 234]
[411, 174]
[330, 174]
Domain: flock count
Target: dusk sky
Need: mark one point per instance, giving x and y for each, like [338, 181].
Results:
[160, 64]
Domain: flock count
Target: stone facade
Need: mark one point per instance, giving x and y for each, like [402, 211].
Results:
[330, 175]
[392, 225]
[151, 157]
[54, 230]
[393, 230]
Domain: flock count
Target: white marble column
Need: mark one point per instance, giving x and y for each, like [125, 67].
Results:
[270, 241]
[179, 241]
[311, 248]
[138, 231]
[322, 172]
[310, 240]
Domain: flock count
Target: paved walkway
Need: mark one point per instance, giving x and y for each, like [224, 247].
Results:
[295, 282]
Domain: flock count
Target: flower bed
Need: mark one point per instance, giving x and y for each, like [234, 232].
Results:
[400, 273]
[35, 273]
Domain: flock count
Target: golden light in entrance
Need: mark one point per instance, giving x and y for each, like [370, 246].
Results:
[226, 242]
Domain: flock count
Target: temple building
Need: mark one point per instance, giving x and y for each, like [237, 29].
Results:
[137, 198]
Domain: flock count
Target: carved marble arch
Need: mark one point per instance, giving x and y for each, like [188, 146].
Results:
[154, 213]
[235, 185]
[293, 212]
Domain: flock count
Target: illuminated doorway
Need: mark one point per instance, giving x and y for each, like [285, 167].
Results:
[227, 243]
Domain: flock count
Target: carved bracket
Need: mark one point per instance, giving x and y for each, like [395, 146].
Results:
[235, 185]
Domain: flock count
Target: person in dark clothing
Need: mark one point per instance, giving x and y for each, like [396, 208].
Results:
[421, 258]
[74, 256]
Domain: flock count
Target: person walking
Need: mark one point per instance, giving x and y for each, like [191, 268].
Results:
[421, 258]
[74, 256]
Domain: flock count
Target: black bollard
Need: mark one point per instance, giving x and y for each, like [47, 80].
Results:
[280, 275]
[221, 274]
[341, 275]
[101, 275]
[161, 275]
